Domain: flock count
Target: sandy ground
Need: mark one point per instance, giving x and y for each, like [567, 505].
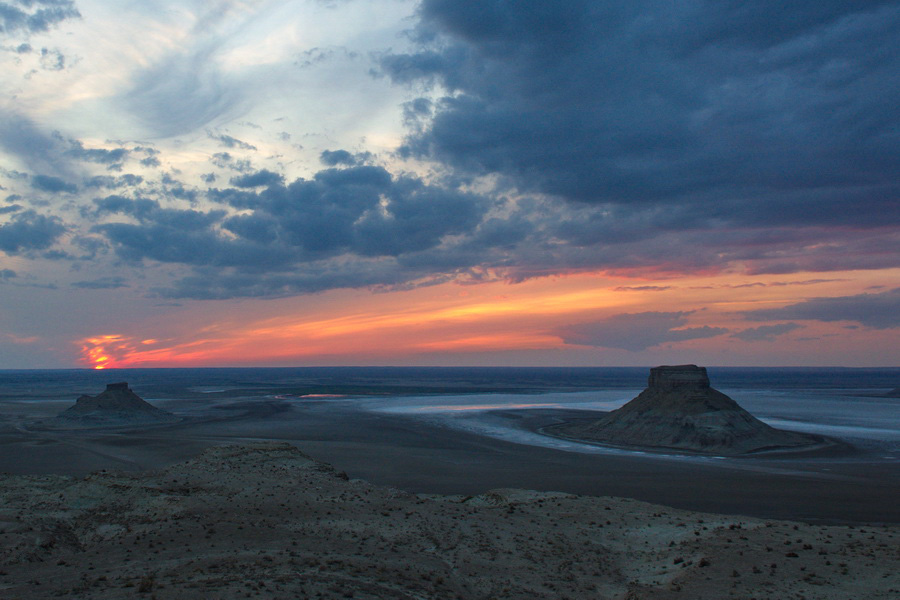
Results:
[265, 520]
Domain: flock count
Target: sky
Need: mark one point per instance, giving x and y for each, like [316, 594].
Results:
[449, 182]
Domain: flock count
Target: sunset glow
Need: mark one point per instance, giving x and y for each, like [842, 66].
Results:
[537, 317]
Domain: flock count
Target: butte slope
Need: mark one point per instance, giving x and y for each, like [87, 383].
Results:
[680, 411]
[117, 406]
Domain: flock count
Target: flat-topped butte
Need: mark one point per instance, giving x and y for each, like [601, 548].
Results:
[680, 411]
[117, 406]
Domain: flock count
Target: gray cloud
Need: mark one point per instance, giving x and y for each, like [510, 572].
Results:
[333, 158]
[52, 60]
[40, 151]
[765, 333]
[261, 178]
[343, 227]
[231, 142]
[652, 105]
[182, 92]
[29, 231]
[96, 155]
[109, 182]
[48, 183]
[636, 331]
[103, 283]
[879, 311]
[35, 16]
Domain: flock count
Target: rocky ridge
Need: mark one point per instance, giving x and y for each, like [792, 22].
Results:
[267, 520]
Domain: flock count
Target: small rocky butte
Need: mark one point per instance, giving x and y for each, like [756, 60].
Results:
[117, 406]
[680, 411]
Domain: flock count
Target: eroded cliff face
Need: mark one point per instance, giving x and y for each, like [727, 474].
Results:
[678, 377]
[680, 411]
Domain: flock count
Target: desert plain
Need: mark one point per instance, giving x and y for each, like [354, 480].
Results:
[317, 499]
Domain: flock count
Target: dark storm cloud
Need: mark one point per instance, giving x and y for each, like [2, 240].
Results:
[765, 333]
[745, 113]
[344, 227]
[636, 331]
[5, 210]
[879, 311]
[35, 16]
[216, 284]
[29, 231]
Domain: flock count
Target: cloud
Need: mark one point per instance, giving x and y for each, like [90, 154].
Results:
[29, 231]
[878, 311]
[722, 108]
[108, 182]
[6, 275]
[348, 227]
[231, 142]
[261, 178]
[765, 333]
[183, 91]
[39, 151]
[643, 288]
[636, 331]
[52, 60]
[97, 155]
[48, 183]
[103, 283]
[38, 15]
[333, 158]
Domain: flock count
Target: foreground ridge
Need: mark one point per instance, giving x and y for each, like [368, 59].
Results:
[268, 520]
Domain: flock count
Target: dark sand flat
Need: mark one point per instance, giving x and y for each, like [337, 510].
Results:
[417, 456]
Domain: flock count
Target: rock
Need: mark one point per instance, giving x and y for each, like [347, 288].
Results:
[117, 406]
[680, 411]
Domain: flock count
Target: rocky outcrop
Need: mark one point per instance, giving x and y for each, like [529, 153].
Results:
[117, 406]
[680, 411]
